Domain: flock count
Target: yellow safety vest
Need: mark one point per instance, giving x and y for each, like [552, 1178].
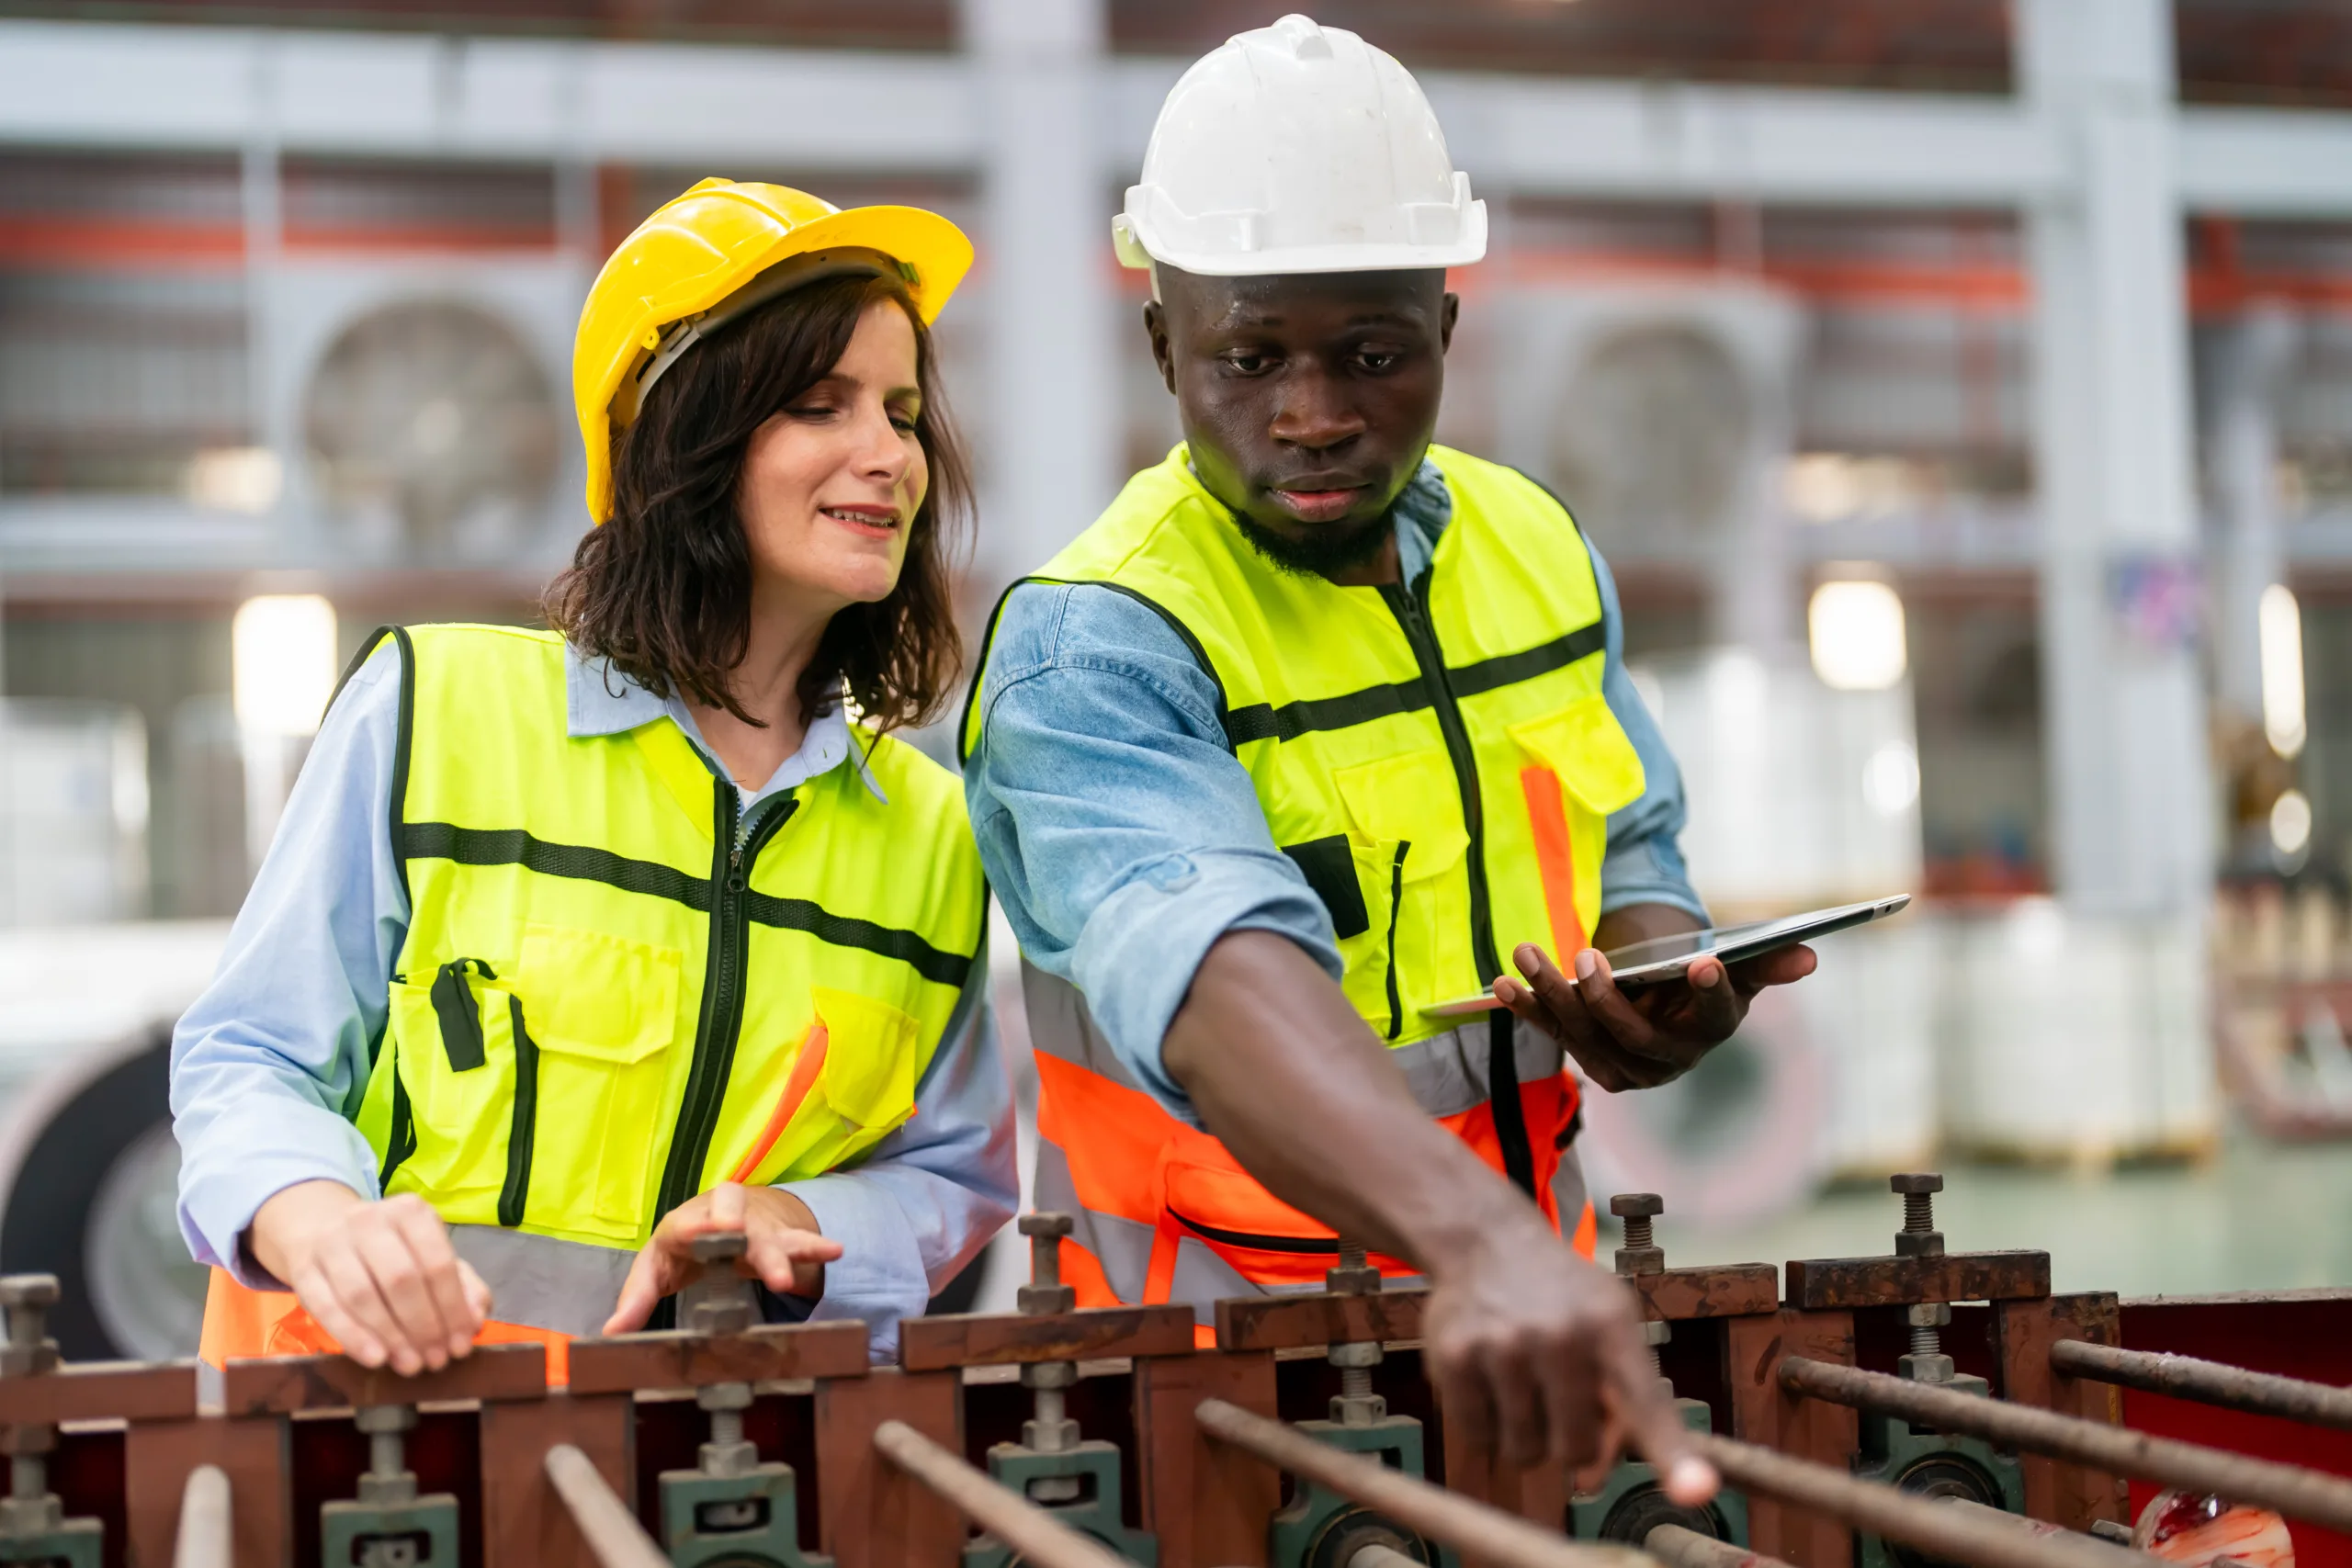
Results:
[611, 971]
[1439, 760]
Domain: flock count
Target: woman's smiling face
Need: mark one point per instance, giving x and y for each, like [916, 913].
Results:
[832, 482]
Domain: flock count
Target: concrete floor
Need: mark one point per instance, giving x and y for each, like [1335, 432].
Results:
[2254, 1215]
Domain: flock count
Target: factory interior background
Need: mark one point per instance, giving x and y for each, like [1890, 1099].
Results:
[1960, 391]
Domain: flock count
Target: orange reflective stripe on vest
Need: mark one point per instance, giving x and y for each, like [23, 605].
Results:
[240, 1322]
[1162, 1212]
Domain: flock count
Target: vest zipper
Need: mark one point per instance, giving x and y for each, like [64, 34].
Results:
[737, 841]
[1407, 606]
[1410, 605]
[1395, 904]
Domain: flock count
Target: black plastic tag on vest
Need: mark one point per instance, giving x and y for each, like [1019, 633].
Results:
[1502, 1089]
[1330, 870]
[461, 1016]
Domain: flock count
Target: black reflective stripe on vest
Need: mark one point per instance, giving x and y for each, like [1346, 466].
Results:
[1263, 721]
[585, 862]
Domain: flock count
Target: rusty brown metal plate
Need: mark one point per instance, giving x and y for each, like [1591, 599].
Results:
[280, 1385]
[973, 1339]
[1292, 1323]
[99, 1391]
[1841, 1284]
[1730, 1290]
[680, 1360]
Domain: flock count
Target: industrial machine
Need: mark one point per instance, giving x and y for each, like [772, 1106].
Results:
[1839, 1398]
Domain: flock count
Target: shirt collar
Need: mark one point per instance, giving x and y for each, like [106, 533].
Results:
[601, 700]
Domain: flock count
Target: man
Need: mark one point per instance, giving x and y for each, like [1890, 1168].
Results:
[1313, 730]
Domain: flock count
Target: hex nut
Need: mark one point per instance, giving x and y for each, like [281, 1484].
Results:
[1045, 1223]
[1043, 1301]
[1637, 1205]
[720, 1247]
[1657, 1331]
[1641, 1261]
[1927, 1315]
[27, 1289]
[1916, 1181]
[1918, 1243]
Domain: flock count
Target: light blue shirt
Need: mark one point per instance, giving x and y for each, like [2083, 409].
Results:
[268, 1066]
[1123, 838]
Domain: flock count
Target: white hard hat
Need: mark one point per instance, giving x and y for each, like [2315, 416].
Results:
[1298, 148]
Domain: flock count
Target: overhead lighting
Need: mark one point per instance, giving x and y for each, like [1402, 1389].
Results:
[1891, 779]
[282, 663]
[2290, 824]
[1857, 636]
[235, 478]
[2280, 621]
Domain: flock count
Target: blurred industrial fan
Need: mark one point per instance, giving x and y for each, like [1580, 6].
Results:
[1653, 435]
[432, 431]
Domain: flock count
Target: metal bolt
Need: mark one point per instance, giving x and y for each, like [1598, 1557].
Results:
[1918, 1237]
[1655, 1333]
[720, 1301]
[1353, 1275]
[1049, 1429]
[1641, 1254]
[1927, 1362]
[726, 1452]
[387, 1478]
[26, 1299]
[1046, 1295]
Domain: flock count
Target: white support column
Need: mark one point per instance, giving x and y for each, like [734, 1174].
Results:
[2124, 708]
[2250, 360]
[1050, 416]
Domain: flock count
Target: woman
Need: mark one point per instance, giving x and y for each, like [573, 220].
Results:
[573, 946]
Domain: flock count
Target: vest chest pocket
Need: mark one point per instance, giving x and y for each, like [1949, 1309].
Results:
[602, 1012]
[863, 1090]
[1405, 836]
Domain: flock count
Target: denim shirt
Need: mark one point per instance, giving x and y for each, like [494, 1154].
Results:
[1123, 838]
[268, 1067]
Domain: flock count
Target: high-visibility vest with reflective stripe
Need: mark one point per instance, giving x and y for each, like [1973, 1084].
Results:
[617, 989]
[1439, 760]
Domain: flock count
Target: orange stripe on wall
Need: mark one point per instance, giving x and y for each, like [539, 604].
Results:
[1548, 814]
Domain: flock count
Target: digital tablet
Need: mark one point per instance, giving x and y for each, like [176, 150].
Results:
[1665, 958]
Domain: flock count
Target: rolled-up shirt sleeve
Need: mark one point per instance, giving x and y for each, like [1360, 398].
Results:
[1120, 834]
[927, 1198]
[268, 1065]
[1643, 863]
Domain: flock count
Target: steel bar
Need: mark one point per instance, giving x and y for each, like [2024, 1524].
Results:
[1036, 1536]
[1379, 1556]
[609, 1525]
[1471, 1527]
[2297, 1493]
[203, 1540]
[2209, 1382]
[2008, 1521]
[1944, 1533]
[1678, 1546]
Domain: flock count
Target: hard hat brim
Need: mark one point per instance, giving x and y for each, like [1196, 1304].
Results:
[937, 250]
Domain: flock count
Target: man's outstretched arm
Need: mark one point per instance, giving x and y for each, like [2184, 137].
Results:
[1524, 1337]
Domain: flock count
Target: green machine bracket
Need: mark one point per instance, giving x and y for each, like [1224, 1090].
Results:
[1630, 1504]
[1076, 1482]
[730, 1511]
[1932, 1464]
[1319, 1528]
[33, 1526]
[389, 1525]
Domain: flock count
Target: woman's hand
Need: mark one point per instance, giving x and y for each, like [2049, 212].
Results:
[381, 1277]
[783, 1249]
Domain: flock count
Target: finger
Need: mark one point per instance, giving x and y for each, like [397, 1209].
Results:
[1716, 1006]
[1562, 1013]
[354, 1286]
[1784, 968]
[317, 1293]
[641, 1292]
[1610, 1010]
[1571, 1405]
[1554, 989]
[1519, 1409]
[1594, 1476]
[479, 1298]
[428, 1243]
[1647, 1412]
[775, 1255]
[402, 1285]
[727, 1206]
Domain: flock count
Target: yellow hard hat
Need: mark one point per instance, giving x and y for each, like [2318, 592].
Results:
[714, 253]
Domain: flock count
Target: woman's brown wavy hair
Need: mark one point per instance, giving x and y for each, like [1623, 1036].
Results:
[664, 589]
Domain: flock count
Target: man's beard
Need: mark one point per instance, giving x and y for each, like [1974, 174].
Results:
[1322, 553]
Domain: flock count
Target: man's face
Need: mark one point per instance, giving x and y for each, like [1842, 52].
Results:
[1307, 399]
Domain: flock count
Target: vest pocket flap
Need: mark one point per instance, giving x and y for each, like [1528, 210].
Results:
[1585, 745]
[586, 994]
[1410, 798]
[869, 1073]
